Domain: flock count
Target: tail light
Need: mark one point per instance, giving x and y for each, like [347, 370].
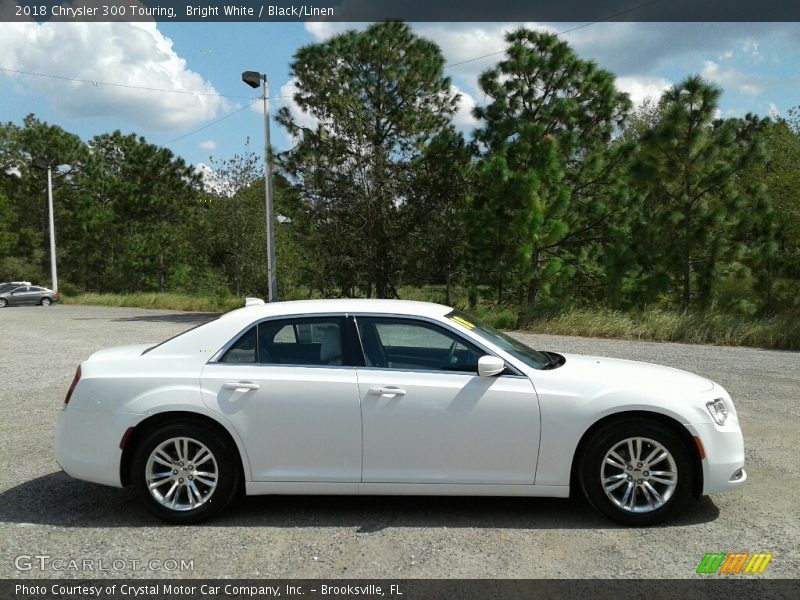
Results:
[72, 385]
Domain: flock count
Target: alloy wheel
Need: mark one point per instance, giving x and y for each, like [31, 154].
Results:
[639, 475]
[181, 474]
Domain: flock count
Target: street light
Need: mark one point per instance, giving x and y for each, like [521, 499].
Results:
[38, 163]
[254, 79]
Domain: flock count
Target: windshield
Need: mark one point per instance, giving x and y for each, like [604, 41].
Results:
[532, 358]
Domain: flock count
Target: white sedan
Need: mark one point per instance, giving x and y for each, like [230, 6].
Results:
[390, 397]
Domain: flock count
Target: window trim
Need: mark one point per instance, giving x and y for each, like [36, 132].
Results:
[513, 371]
[348, 333]
[351, 330]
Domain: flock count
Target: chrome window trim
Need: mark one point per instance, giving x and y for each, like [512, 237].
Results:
[516, 373]
[215, 359]
[219, 353]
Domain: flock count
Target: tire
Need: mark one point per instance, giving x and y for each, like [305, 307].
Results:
[46, 302]
[638, 494]
[194, 498]
[3, 302]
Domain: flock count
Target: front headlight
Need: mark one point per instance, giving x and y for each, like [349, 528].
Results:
[718, 410]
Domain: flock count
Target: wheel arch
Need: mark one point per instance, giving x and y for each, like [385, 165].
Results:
[676, 426]
[153, 422]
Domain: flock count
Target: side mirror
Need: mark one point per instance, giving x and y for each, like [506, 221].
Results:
[489, 366]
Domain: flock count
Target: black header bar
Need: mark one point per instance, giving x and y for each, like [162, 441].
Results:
[407, 10]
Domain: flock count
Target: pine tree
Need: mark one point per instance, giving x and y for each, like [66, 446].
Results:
[377, 95]
[550, 179]
[687, 169]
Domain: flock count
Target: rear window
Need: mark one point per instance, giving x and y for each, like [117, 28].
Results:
[180, 334]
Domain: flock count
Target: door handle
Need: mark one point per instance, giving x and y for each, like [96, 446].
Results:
[387, 391]
[240, 386]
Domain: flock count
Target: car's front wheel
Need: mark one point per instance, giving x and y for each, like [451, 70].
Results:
[636, 472]
[185, 473]
[3, 302]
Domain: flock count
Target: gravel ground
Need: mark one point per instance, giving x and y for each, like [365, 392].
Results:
[42, 511]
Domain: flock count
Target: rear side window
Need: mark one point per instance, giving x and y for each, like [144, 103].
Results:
[244, 350]
[305, 341]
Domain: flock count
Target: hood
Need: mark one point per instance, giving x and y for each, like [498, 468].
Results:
[618, 373]
[120, 352]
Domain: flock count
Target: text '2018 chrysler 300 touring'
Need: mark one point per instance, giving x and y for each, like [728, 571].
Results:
[390, 397]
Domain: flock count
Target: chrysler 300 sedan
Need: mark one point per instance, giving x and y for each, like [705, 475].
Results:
[390, 397]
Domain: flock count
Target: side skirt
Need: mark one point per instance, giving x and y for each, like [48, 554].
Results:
[257, 488]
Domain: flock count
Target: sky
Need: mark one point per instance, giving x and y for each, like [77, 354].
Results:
[206, 111]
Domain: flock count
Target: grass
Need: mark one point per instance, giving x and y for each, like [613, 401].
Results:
[166, 301]
[724, 329]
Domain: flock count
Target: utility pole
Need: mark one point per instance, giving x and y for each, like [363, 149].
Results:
[253, 79]
[41, 164]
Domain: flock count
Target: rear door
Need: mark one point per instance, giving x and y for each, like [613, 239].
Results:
[289, 387]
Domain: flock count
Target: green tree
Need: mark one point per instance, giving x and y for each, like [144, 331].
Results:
[689, 169]
[25, 190]
[436, 211]
[376, 96]
[549, 179]
[234, 236]
[138, 204]
[774, 240]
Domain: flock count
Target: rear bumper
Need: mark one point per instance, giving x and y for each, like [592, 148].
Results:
[723, 466]
[87, 444]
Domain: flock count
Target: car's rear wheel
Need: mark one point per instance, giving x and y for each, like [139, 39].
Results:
[636, 472]
[46, 302]
[3, 302]
[185, 473]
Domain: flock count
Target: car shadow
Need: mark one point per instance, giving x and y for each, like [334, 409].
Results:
[179, 318]
[58, 500]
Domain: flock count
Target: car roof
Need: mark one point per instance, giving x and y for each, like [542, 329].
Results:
[345, 305]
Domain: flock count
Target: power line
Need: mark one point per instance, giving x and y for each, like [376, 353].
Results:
[227, 116]
[571, 29]
[254, 100]
[122, 85]
[210, 123]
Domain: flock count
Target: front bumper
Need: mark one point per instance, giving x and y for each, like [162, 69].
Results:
[723, 466]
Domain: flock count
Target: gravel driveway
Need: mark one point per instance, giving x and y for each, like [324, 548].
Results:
[44, 512]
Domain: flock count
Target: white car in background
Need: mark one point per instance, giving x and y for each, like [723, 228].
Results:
[390, 397]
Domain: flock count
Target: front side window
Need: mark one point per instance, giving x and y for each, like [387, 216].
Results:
[314, 341]
[415, 345]
[532, 358]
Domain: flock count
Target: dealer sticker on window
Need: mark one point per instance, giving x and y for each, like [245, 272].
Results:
[463, 322]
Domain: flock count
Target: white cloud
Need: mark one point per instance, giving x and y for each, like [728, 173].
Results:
[208, 145]
[750, 46]
[641, 88]
[322, 30]
[729, 78]
[463, 118]
[212, 181]
[301, 117]
[774, 111]
[128, 54]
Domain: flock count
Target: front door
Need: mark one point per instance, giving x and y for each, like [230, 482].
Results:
[429, 418]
